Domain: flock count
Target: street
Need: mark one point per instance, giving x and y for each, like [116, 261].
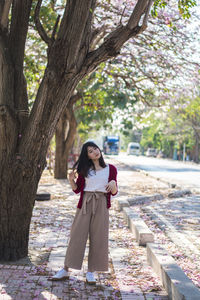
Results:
[180, 173]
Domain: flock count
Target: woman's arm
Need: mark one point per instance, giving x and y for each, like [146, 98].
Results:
[112, 184]
[112, 187]
[72, 182]
[77, 185]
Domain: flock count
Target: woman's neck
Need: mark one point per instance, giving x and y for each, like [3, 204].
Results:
[96, 164]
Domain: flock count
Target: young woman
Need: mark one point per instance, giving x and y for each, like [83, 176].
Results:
[96, 182]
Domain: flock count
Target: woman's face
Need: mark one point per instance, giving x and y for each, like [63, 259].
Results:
[93, 153]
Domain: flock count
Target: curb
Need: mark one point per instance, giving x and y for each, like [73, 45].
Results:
[140, 230]
[145, 198]
[171, 185]
[174, 280]
[142, 199]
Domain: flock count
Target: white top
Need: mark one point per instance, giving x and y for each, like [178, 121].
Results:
[96, 181]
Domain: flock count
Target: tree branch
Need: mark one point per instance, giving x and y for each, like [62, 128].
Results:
[5, 13]
[120, 22]
[38, 24]
[145, 20]
[55, 28]
[75, 31]
[116, 39]
[96, 36]
[138, 11]
[74, 98]
[17, 38]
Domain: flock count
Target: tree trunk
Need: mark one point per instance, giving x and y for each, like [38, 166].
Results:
[23, 158]
[17, 193]
[196, 153]
[171, 149]
[65, 135]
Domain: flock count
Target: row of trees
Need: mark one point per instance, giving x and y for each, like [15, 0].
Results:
[173, 129]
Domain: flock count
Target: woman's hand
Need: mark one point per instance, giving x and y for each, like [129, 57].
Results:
[111, 187]
[72, 176]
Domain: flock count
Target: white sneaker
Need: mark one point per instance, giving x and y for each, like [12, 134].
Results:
[61, 275]
[90, 278]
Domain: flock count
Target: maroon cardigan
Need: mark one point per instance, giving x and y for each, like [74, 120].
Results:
[81, 184]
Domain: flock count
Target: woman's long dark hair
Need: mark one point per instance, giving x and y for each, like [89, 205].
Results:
[84, 163]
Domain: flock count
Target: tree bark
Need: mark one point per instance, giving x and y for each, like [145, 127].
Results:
[65, 135]
[17, 201]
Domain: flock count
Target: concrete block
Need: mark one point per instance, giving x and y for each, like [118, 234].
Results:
[179, 194]
[129, 214]
[121, 203]
[140, 230]
[142, 233]
[174, 280]
[143, 199]
[136, 199]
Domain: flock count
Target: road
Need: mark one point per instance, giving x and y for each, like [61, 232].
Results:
[183, 174]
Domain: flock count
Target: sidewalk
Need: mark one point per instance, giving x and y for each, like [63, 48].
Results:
[129, 276]
[174, 220]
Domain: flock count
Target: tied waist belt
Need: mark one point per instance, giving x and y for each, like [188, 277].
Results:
[92, 196]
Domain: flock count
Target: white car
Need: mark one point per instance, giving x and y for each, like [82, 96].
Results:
[151, 152]
[133, 148]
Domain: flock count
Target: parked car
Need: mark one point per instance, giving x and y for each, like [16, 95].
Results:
[160, 154]
[151, 152]
[133, 148]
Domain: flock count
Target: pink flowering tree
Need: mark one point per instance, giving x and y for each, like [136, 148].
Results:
[24, 134]
[147, 63]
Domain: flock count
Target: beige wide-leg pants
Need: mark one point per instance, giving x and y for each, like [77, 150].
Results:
[93, 220]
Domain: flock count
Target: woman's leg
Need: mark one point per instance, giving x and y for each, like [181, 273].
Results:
[98, 237]
[78, 238]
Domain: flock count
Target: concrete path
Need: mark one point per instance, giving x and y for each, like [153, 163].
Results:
[129, 275]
